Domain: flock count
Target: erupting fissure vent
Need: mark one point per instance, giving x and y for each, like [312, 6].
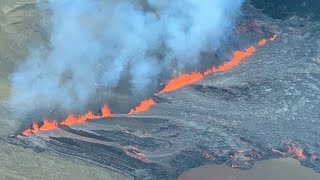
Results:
[143, 106]
[172, 85]
[71, 119]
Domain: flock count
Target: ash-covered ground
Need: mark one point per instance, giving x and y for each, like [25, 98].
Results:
[267, 107]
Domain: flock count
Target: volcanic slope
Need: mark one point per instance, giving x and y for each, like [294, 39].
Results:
[267, 107]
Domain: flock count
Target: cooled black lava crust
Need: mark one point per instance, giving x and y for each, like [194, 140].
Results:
[268, 104]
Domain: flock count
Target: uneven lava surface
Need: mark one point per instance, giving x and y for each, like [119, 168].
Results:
[267, 107]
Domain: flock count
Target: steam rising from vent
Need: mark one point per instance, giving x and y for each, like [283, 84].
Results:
[98, 44]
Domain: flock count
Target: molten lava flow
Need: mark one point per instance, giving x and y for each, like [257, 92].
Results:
[70, 120]
[49, 125]
[105, 110]
[27, 132]
[293, 151]
[262, 42]
[174, 84]
[297, 152]
[89, 115]
[73, 119]
[35, 128]
[238, 57]
[274, 37]
[181, 81]
[143, 106]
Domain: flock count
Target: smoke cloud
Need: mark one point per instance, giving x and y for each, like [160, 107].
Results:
[98, 44]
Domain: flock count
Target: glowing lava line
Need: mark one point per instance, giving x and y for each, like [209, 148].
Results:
[143, 106]
[238, 57]
[172, 85]
[182, 81]
[186, 79]
[294, 151]
[71, 119]
[262, 42]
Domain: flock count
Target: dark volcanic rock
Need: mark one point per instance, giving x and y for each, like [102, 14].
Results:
[283, 9]
[267, 107]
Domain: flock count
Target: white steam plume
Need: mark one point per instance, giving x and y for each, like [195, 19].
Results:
[99, 42]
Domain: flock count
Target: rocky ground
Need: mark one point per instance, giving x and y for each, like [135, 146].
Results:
[267, 107]
[19, 30]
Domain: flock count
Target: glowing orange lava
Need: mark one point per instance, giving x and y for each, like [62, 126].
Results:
[274, 37]
[106, 111]
[35, 128]
[238, 57]
[49, 125]
[293, 151]
[262, 42]
[181, 81]
[297, 152]
[73, 119]
[70, 120]
[143, 106]
[172, 85]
